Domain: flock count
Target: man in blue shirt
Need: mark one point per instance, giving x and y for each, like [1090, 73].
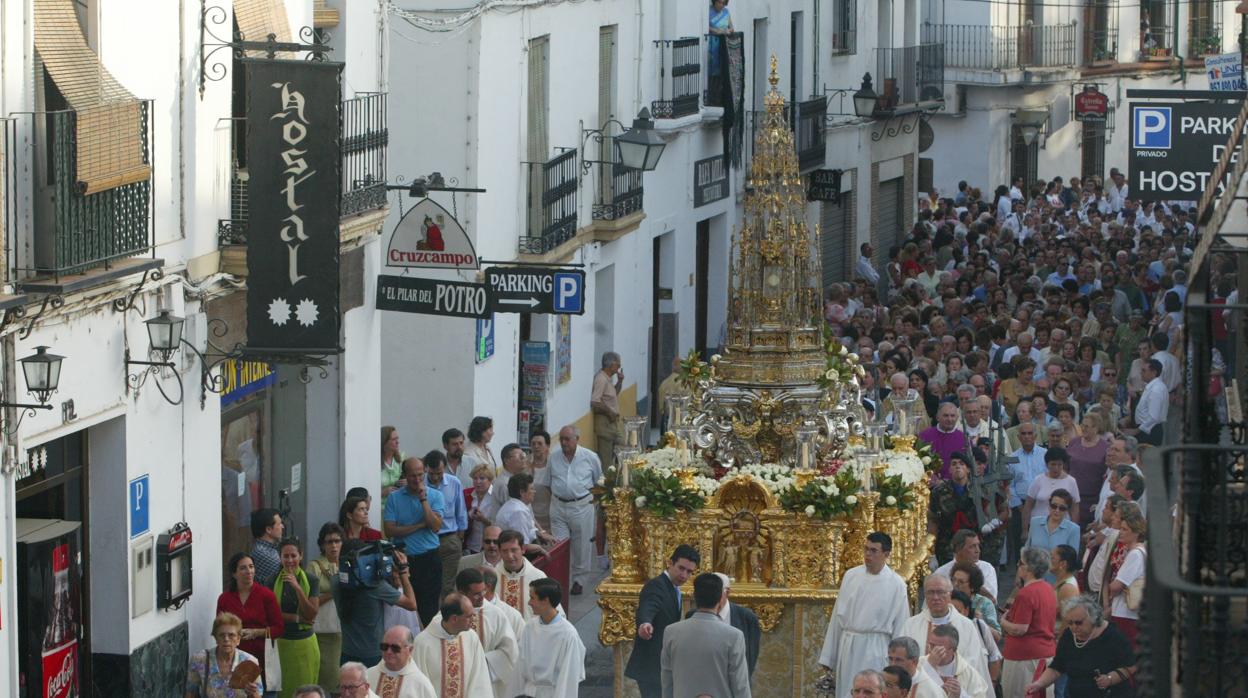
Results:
[413, 516]
[1029, 466]
[454, 519]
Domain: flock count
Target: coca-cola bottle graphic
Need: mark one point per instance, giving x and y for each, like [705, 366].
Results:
[60, 637]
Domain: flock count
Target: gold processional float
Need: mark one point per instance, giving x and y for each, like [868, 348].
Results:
[770, 468]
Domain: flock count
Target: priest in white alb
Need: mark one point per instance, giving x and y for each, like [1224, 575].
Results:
[552, 656]
[492, 628]
[515, 573]
[451, 655]
[514, 618]
[397, 676]
[937, 593]
[871, 608]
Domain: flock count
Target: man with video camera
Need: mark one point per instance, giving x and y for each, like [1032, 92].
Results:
[372, 574]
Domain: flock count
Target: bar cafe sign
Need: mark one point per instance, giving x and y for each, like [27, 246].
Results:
[710, 180]
[429, 237]
[294, 159]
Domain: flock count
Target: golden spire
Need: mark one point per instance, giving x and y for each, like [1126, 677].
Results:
[775, 304]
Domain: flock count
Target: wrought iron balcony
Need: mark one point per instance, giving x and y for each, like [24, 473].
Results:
[809, 134]
[910, 74]
[82, 220]
[618, 192]
[551, 203]
[1204, 35]
[680, 67]
[1004, 47]
[365, 137]
[716, 57]
[1100, 46]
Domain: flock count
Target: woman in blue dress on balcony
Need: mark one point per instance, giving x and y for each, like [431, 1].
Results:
[720, 24]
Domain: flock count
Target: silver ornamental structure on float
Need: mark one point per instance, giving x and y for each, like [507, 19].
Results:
[770, 382]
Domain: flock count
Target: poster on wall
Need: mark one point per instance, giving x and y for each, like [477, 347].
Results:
[294, 160]
[534, 372]
[563, 347]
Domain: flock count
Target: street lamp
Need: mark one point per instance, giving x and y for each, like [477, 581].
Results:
[165, 334]
[640, 147]
[43, 374]
[1029, 133]
[865, 98]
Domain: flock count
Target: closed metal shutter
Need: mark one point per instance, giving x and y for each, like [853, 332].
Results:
[836, 240]
[889, 222]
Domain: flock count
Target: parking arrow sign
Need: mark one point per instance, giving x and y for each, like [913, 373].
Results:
[546, 290]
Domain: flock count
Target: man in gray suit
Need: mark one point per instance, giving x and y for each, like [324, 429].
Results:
[703, 655]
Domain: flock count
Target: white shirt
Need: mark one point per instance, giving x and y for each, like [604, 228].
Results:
[552, 658]
[573, 479]
[990, 574]
[1131, 570]
[517, 516]
[1042, 487]
[1115, 195]
[864, 269]
[1153, 406]
[1169, 369]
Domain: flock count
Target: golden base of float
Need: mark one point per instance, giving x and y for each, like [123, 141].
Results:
[785, 567]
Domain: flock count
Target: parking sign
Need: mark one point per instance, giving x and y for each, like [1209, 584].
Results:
[569, 294]
[1151, 127]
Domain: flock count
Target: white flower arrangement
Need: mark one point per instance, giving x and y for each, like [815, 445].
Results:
[810, 510]
[851, 500]
[908, 466]
[665, 459]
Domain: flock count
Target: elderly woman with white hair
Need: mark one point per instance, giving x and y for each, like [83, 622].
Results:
[1092, 653]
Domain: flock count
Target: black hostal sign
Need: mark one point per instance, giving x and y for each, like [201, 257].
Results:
[294, 160]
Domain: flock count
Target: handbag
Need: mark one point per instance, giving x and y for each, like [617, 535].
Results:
[327, 621]
[272, 666]
[1135, 592]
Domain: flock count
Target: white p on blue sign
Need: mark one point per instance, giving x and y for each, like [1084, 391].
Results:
[140, 505]
[569, 292]
[1151, 128]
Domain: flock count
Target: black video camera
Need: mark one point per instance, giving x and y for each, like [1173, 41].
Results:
[367, 566]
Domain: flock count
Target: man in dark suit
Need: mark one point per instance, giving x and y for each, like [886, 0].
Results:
[658, 607]
[703, 655]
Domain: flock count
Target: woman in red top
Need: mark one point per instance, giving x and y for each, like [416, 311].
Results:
[353, 517]
[254, 604]
[1029, 624]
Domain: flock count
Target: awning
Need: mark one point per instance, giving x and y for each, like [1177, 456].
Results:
[256, 19]
[326, 17]
[109, 131]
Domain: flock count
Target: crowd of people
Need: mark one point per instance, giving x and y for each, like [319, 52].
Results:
[441, 602]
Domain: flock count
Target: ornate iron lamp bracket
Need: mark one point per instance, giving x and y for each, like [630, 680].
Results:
[213, 20]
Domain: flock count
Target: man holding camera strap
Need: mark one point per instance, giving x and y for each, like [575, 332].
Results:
[412, 519]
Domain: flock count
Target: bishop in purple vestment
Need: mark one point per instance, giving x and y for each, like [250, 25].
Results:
[946, 438]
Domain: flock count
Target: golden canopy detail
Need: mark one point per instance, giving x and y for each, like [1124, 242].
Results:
[774, 298]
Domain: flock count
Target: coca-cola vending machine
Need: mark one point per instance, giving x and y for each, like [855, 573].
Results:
[49, 588]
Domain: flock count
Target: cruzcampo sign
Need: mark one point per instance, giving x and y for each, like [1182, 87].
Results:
[429, 237]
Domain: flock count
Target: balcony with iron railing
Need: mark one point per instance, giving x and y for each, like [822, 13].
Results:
[715, 54]
[365, 137]
[1100, 45]
[1004, 47]
[909, 75]
[92, 204]
[680, 79]
[618, 191]
[552, 205]
[1204, 30]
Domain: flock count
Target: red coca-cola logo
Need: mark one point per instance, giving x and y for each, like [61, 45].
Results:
[60, 671]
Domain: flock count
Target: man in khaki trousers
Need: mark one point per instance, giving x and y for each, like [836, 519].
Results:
[604, 402]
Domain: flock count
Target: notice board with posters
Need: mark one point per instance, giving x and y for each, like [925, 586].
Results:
[1175, 147]
[534, 377]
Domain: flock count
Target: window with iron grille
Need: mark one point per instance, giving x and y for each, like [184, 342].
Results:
[844, 27]
[1024, 158]
[1100, 32]
[1093, 154]
[1204, 35]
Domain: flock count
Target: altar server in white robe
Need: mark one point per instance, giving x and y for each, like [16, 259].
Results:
[515, 573]
[870, 610]
[397, 676]
[552, 656]
[937, 591]
[451, 655]
[514, 619]
[492, 627]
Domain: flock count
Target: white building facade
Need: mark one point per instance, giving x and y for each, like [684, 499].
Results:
[105, 226]
[513, 98]
[1013, 70]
